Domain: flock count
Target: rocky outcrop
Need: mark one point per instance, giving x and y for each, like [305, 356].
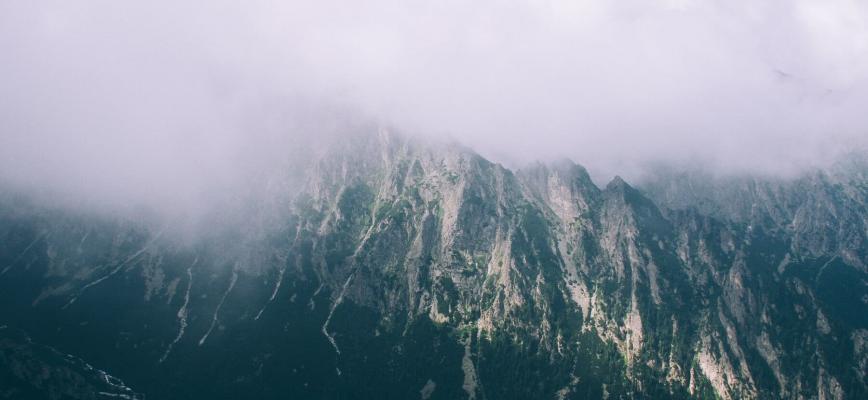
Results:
[444, 271]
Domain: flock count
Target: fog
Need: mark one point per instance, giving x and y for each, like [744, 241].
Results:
[166, 103]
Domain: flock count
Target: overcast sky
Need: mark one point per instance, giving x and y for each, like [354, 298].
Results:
[137, 98]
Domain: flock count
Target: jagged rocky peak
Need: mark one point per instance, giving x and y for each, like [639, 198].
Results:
[395, 159]
[563, 185]
[818, 211]
[618, 188]
[406, 267]
[564, 170]
[625, 203]
[618, 194]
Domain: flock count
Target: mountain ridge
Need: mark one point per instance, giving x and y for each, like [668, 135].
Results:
[401, 266]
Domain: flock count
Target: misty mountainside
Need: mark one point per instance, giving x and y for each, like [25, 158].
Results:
[398, 269]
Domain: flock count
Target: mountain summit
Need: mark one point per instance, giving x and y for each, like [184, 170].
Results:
[402, 269]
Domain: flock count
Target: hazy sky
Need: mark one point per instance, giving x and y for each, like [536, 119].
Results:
[149, 98]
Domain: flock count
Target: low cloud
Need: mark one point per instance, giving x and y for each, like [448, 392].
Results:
[152, 101]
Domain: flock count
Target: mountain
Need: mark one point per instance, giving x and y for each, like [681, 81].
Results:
[403, 269]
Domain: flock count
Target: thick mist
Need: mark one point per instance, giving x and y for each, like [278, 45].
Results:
[175, 105]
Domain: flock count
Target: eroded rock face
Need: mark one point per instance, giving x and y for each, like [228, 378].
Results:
[398, 265]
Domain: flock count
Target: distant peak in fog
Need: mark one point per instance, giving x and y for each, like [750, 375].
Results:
[159, 103]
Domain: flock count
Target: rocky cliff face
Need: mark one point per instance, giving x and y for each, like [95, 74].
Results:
[404, 270]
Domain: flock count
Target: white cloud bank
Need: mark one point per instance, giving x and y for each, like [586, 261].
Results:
[139, 98]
